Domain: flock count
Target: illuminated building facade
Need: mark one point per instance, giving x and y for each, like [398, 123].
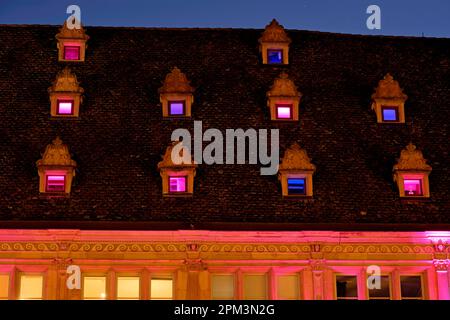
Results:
[86, 177]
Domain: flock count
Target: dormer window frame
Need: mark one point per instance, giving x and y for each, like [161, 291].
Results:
[65, 88]
[269, 50]
[412, 166]
[389, 95]
[296, 165]
[176, 88]
[274, 38]
[59, 101]
[283, 92]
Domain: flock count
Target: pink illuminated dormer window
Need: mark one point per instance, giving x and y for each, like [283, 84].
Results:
[284, 111]
[413, 187]
[71, 52]
[55, 183]
[177, 184]
[64, 107]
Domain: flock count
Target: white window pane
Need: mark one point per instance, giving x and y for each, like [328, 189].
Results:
[161, 289]
[255, 287]
[128, 287]
[4, 286]
[94, 288]
[288, 287]
[222, 286]
[31, 287]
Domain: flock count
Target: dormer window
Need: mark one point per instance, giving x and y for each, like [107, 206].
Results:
[411, 174]
[295, 173]
[388, 101]
[64, 107]
[177, 176]
[56, 170]
[177, 184]
[283, 99]
[71, 52]
[389, 113]
[274, 44]
[176, 95]
[65, 95]
[275, 56]
[296, 186]
[177, 108]
[72, 44]
[55, 182]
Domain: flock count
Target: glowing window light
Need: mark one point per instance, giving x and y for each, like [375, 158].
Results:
[161, 289]
[31, 287]
[128, 288]
[71, 53]
[284, 111]
[65, 107]
[94, 288]
[390, 113]
[296, 186]
[4, 286]
[275, 56]
[176, 108]
[413, 187]
[177, 184]
[222, 286]
[55, 183]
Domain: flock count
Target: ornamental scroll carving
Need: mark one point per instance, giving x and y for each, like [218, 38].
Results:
[274, 32]
[176, 82]
[283, 87]
[56, 154]
[296, 158]
[412, 159]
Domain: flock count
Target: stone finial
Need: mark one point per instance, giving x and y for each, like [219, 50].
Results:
[296, 158]
[167, 161]
[66, 81]
[412, 159]
[56, 154]
[66, 33]
[176, 82]
[388, 88]
[283, 87]
[274, 32]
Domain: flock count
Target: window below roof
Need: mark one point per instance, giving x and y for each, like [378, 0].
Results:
[177, 184]
[177, 108]
[64, 107]
[55, 183]
[412, 187]
[275, 56]
[296, 186]
[284, 111]
[411, 287]
[71, 52]
[346, 287]
[389, 114]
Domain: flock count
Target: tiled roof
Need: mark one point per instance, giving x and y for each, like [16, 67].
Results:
[120, 135]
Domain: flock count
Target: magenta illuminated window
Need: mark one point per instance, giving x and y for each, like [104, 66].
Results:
[64, 107]
[413, 187]
[177, 184]
[55, 183]
[284, 111]
[71, 53]
[176, 108]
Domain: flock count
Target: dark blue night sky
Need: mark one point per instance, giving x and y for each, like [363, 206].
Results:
[399, 17]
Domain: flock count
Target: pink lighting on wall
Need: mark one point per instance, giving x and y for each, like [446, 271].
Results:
[55, 183]
[284, 111]
[71, 53]
[177, 184]
[65, 107]
[413, 187]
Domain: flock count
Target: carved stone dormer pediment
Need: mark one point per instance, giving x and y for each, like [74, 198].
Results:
[283, 99]
[177, 170]
[56, 154]
[72, 43]
[274, 44]
[274, 32]
[66, 95]
[176, 95]
[388, 101]
[56, 169]
[66, 81]
[411, 173]
[296, 168]
[411, 159]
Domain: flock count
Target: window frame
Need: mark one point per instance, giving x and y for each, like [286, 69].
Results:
[269, 50]
[185, 184]
[397, 113]
[304, 187]
[71, 46]
[405, 193]
[95, 275]
[335, 275]
[121, 275]
[390, 277]
[161, 276]
[422, 287]
[284, 105]
[235, 284]
[19, 288]
[170, 114]
[53, 191]
[72, 107]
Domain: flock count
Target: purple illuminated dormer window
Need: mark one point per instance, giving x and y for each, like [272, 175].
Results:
[177, 184]
[389, 114]
[71, 53]
[55, 183]
[176, 108]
